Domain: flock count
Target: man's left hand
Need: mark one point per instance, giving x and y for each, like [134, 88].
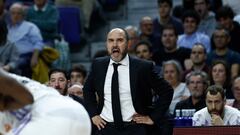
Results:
[142, 119]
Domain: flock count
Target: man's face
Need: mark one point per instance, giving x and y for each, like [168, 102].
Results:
[170, 74]
[146, 26]
[58, 81]
[190, 25]
[198, 55]
[143, 52]
[236, 89]
[196, 86]
[16, 14]
[215, 103]
[117, 44]
[169, 39]
[76, 77]
[220, 39]
[164, 10]
[226, 22]
[201, 7]
[219, 74]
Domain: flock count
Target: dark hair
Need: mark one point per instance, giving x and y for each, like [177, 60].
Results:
[192, 14]
[220, 27]
[214, 90]
[170, 27]
[206, 1]
[169, 2]
[80, 69]
[4, 32]
[56, 70]
[143, 42]
[204, 48]
[225, 12]
[227, 70]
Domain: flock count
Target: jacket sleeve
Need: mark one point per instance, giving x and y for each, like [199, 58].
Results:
[89, 93]
[165, 92]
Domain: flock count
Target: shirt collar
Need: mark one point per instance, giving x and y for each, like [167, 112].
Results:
[124, 61]
[43, 9]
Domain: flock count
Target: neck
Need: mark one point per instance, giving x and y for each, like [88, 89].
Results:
[170, 50]
[197, 67]
[164, 20]
[195, 100]
[221, 51]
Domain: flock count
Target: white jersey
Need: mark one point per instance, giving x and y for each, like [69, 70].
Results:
[50, 114]
[203, 118]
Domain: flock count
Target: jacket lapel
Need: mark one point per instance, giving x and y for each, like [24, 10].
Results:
[133, 77]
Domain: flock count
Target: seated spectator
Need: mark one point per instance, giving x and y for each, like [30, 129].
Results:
[30, 108]
[172, 72]
[191, 20]
[132, 32]
[77, 79]
[198, 59]
[207, 18]
[220, 75]
[143, 50]
[58, 79]
[221, 40]
[224, 17]
[4, 15]
[216, 113]
[236, 93]
[170, 50]
[45, 16]
[197, 83]
[27, 38]
[146, 33]
[165, 7]
[8, 51]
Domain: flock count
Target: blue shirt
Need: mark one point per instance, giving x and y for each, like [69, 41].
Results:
[26, 36]
[188, 41]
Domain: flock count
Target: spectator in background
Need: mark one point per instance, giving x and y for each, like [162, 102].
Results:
[172, 73]
[198, 59]
[170, 50]
[220, 75]
[236, 93]
[165, 7]
[8, 51]
[143, 50]
[221, 40]
[146, 33]
[4, 15]
[224, 17]
[233, 4]
[27, 38]
[208, 23]
[77, 79]
[216, 113]
[191, 20]
[197, 83]
[45, 16]
[132, 32]
[58, 79]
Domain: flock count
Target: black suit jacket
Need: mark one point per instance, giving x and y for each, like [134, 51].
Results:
[143, 80]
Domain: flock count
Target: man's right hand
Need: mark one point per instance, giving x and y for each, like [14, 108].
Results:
[99, 122]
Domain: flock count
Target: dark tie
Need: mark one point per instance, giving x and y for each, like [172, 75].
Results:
[116, 107]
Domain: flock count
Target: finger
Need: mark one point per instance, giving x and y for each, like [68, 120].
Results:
[99, 127]
[102, 125]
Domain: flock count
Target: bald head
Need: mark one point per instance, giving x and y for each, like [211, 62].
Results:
[146, 25]
[117, 44]
[17, 13]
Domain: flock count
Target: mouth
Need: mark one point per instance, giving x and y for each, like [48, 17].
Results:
[115, 50]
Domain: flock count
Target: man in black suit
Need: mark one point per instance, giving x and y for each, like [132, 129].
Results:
[136, 80]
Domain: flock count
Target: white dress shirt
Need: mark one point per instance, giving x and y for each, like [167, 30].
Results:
[127, 108]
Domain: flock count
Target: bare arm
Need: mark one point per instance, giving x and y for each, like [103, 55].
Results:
[13, 95]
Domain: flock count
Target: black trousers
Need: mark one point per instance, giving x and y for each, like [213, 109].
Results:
[127, 129]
